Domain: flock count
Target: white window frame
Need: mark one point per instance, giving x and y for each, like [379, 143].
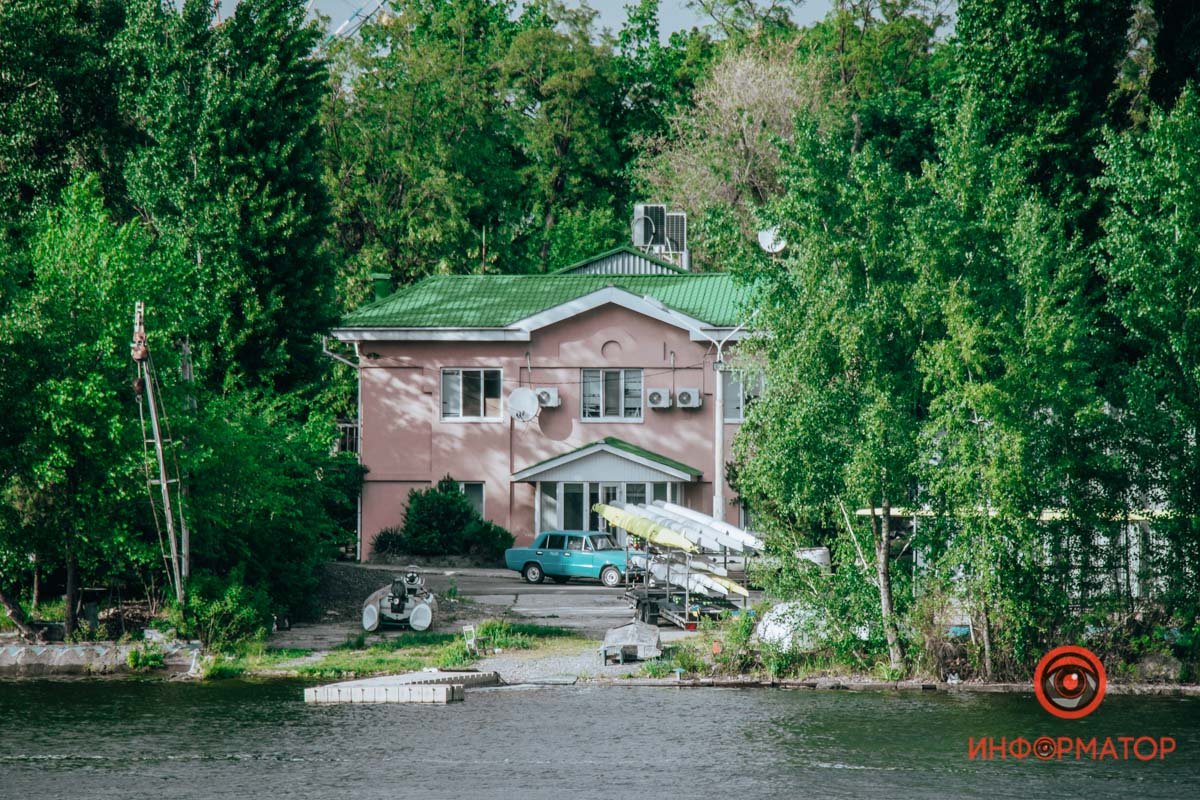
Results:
[641, 417]
[462, 487]
[741, 383]
[482, 382]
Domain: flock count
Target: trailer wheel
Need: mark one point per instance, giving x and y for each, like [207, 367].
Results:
[610, 576]
[533, 572]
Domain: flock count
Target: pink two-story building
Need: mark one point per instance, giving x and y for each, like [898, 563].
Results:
[617, 349]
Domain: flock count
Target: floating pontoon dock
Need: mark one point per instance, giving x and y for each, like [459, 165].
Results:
[413, 687]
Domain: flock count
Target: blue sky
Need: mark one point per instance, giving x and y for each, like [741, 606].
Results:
[675, 13]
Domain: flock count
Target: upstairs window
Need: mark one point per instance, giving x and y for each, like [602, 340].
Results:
[471, 394]
[741, 389]
[612, 394]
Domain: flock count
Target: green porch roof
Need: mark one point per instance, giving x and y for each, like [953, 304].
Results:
[623, 446]
[497, 301]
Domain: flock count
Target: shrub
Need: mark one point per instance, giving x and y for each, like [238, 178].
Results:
[222, 615]
[440, 521]
[144, 658]
[487, 541]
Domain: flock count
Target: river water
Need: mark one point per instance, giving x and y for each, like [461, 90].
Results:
[239, 739]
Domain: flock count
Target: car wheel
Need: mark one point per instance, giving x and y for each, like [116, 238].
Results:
[559, 578]
[532, 573]
[610, 577]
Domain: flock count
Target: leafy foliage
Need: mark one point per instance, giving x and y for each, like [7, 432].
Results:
[441, 521]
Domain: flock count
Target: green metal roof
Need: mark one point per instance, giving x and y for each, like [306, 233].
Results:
[624, 446]
[497, 301]
[625, 248]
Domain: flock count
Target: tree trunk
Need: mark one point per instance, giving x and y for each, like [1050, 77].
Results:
[70, 620]
[37, 585]
[18, 617]
[883, 572]
[987, 641]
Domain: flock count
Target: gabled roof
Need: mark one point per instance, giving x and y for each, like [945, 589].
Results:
[624, 250]
[618, 447]
[504, 301]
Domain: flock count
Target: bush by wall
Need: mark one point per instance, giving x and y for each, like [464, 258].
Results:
[440, 521]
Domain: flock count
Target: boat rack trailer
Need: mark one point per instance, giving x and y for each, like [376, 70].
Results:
[653, 605]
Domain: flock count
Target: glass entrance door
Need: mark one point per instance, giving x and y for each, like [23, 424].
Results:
[610, 494]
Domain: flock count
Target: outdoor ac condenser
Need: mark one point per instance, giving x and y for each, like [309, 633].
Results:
[688, 398]
[649, 225]
[658, 398]
[548, 397]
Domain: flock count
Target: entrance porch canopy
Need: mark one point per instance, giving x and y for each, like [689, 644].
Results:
[609, 459]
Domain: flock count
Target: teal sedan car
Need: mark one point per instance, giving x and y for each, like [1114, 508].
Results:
[563, 555]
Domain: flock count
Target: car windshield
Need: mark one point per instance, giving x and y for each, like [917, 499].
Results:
[603, 543]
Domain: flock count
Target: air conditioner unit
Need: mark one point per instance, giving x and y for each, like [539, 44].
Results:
[658, 398]
[649, 225]
[688, 398]
[548, 397]
[676, 224]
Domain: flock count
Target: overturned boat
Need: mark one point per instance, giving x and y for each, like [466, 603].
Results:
[635, 641]
[405, 603]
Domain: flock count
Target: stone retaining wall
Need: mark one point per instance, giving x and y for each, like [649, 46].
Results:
[91, 658]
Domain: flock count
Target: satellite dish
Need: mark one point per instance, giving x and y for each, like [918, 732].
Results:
[770, 241]
[523, 404]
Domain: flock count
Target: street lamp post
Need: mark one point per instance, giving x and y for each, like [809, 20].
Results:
[719, 394]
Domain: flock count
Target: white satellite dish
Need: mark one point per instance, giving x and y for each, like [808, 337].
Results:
[523, 404]
[770, 241]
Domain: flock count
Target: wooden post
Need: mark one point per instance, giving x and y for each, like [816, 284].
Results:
[70, 619]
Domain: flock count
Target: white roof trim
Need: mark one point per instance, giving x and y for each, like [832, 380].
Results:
[521, 330]
[600, 297]
[600, 447]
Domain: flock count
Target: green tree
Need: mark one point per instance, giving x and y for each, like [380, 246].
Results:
[1019, 424]
[420, 157]
[73, 487]
[269, 502]
[229, 174]
[837, 427]
[58, 110]
[565, 92]
[1042, 74]
[1151, 248]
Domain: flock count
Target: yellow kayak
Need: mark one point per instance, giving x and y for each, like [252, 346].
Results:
[645, 529]
[732, 586]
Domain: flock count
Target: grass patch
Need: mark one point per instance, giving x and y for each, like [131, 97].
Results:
[250, 657]
[371, 661]
[363, 656]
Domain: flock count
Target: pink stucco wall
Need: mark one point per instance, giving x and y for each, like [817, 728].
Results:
[405, 443]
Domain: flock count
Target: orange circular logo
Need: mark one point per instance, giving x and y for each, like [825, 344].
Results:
[1070, 682]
